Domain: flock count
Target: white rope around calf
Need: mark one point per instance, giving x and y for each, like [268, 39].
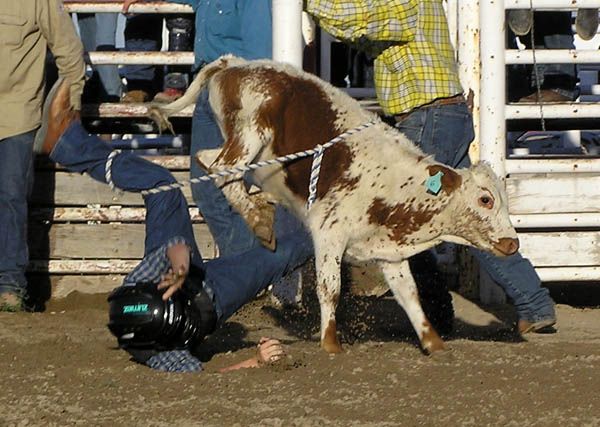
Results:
[315, 170]
[317, 152]
[108, 169]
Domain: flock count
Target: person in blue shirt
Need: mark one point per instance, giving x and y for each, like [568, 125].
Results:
[242, 28]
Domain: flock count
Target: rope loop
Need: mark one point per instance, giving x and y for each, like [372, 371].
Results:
[236, 170]
[315, 169]
[108, 169]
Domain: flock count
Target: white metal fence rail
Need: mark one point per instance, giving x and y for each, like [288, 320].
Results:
[494, 59]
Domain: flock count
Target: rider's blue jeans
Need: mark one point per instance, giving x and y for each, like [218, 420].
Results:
[234, 280]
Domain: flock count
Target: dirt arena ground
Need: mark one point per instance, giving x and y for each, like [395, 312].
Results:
[61, 367]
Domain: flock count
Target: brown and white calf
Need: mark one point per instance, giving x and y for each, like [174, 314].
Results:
[372, 203]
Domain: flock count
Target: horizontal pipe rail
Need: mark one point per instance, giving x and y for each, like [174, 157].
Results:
[579, 110]
[117, 6]
[553, 56]
[551, 4]
[514, 166]
[101, 214]
[150, 58]
[568, 274]
[556, 220]
[104, 266]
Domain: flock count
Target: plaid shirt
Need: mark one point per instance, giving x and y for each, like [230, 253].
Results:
[414, 59]
[154, 265]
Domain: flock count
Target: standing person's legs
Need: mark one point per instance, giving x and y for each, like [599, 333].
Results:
[433, 293]
[87, 30]
[229, 230]
[16, 178]
[98, 32]
[181, 39]
[106, 28]
[143, 33]
[517, 277]
[446, 132]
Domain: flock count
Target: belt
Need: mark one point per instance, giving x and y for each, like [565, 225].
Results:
[456, 99]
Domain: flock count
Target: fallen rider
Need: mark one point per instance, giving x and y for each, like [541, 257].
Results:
[173, 298]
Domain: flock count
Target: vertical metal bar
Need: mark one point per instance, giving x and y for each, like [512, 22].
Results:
[469, 66]
[493, 85]
[492, 124]
[287, 31]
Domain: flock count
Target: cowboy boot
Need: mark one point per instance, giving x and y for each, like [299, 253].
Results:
[586, 23]
[520, 21]
[57, 115]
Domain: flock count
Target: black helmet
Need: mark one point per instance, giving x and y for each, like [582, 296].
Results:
[139, 317]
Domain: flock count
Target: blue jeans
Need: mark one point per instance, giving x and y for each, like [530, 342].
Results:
[166, 213]
[98, 31]
[446, 132]
[16, 181]
[143, 33]
[229, 230]
[234, 280]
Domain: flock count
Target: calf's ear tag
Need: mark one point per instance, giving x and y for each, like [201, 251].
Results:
[434, 183]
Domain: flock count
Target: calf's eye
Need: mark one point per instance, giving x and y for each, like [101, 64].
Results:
[486, 202]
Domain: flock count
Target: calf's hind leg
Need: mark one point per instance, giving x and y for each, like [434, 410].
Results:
[402, 284]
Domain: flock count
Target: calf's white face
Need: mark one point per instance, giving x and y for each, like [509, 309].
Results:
[481, 212]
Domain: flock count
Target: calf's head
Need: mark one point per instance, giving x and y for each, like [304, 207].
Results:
[480, 212]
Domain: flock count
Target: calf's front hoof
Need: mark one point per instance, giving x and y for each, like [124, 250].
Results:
[431, 341]
[332, 347]
[330, 342]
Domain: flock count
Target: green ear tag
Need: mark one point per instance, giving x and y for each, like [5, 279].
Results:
[434, 183]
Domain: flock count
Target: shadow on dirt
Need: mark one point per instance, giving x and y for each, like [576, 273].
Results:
[363, 317]
[380, 319]
[230, 337]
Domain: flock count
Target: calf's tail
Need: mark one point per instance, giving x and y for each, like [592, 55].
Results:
[160, 114]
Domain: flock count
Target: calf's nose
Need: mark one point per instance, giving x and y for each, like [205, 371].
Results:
[507, 245]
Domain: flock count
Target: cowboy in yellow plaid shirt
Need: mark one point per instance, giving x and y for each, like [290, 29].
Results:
[415, 63]
[416, 80]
